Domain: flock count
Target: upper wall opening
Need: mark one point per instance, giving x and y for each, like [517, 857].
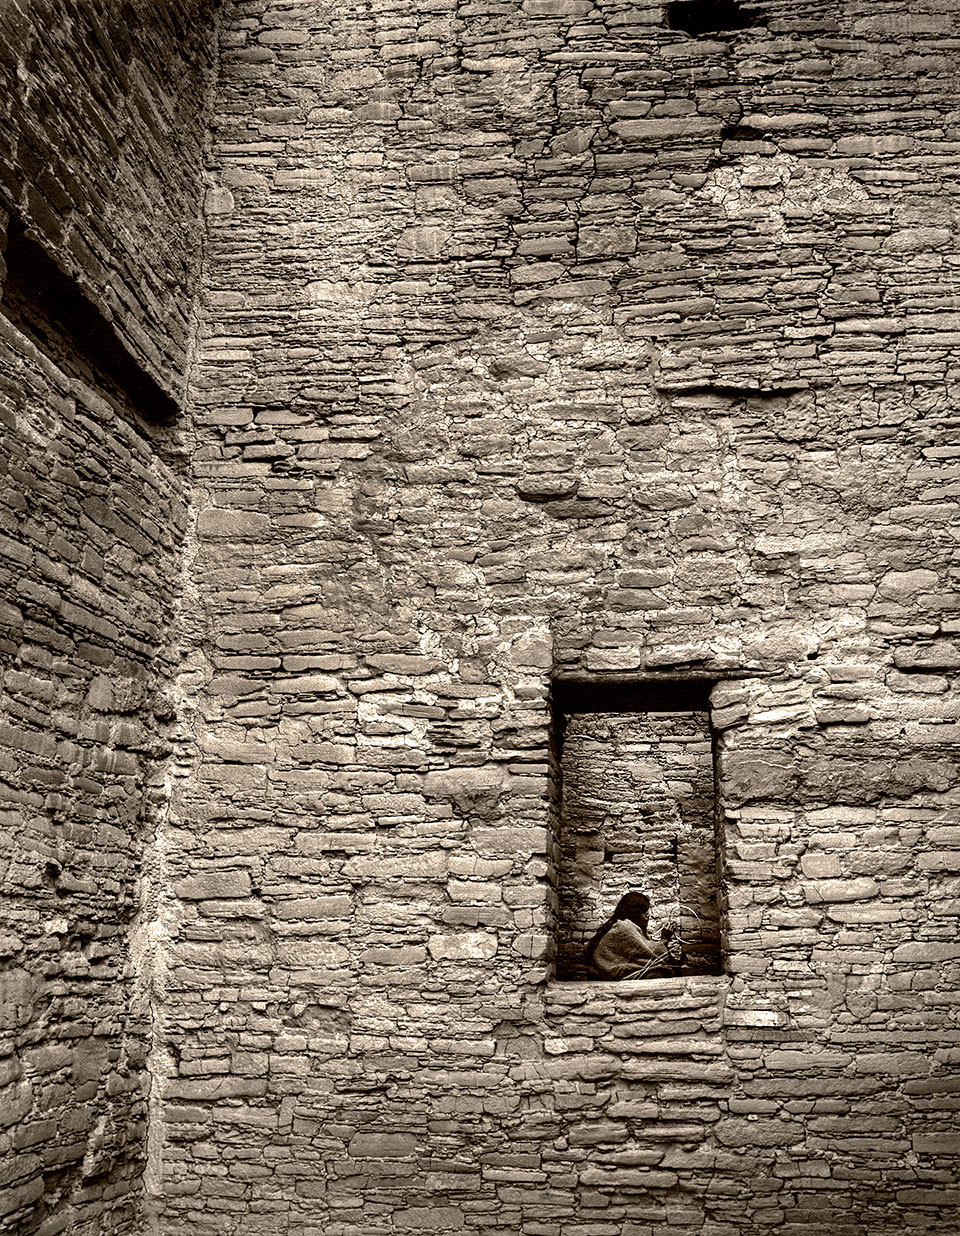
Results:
[698, 17]
[51, 309]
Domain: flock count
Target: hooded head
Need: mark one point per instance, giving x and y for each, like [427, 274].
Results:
[635, 907]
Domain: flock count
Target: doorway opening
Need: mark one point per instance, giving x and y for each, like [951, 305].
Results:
[638, 813]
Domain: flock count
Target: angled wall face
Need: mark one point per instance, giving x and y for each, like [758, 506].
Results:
[99, 180]
[102, 110]
[548, 341]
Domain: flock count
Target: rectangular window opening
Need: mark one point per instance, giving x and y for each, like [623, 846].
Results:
[637, 815]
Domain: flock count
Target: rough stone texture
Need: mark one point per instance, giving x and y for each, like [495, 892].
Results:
[538, 338]
[102, 117]
[543, 337]
[91, 522]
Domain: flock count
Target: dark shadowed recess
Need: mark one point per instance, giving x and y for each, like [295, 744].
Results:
[50, 309]
[710, 16]
[665, 693]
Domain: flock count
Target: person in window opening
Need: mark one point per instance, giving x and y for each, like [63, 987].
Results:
[621, 948]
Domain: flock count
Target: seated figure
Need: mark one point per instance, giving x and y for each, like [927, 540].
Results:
[621, 949]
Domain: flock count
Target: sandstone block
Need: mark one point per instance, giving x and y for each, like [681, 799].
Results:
[416, 866]
[15, 1103]
[939, 860]
[858, 889]
[334, 905]
[947, 1199]
[628, 1177]
[305, 684]
[473, 790]
[18, 990]
[19, 1167]
[908, 239]
[937, 1143]
[803, 1061]
[748, 775]
[535, 945]
[447, 783]
[820, 866]
[429, 1218]
[463, 946]
[326, 752]
[941, 654]
[224, 522]
[400, 955]
[382, 1145]
[218, 200]
[597, 1133]
[425, 241]
[319, 954]
[929, 952]
[200, 1088]
[758, 1133]
[679, 1046]
[509, 840]
[902, 585]
[238, 752]
[405, 664]
[557, 8]
[689, 128]
[897, 1063]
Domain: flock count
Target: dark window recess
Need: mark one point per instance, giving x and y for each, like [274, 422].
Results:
[710, 16]
[49, 308]
[638, 814]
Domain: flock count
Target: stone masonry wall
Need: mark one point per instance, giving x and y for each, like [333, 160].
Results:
[100, 167]
[543, 339]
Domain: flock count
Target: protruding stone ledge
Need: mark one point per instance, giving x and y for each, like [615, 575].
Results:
[678, 991]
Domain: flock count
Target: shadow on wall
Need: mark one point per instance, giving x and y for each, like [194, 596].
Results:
[52, 311]
[711, 16]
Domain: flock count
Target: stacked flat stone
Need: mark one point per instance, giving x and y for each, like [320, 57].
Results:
[102, 113]
[535, 339]
[545, 337]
